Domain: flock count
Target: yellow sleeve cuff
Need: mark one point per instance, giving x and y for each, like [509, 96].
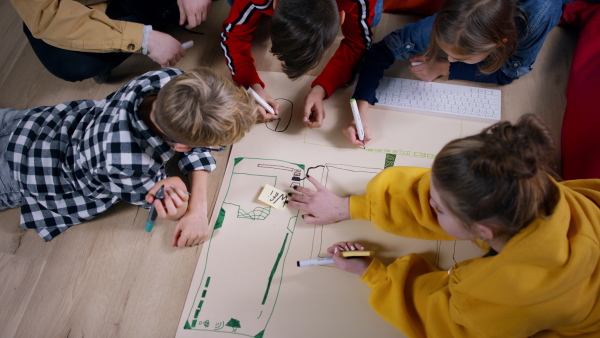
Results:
[360, 207]
[373, 274]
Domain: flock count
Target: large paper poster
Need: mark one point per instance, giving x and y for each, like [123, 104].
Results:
[247, 282]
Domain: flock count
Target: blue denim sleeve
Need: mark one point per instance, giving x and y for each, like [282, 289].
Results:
[411, 40]
[470, 72]
[399, 45]
[542, 16]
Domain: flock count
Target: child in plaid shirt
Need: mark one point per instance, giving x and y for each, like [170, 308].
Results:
[67, 163]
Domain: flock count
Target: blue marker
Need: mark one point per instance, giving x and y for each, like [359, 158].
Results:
[160, 194]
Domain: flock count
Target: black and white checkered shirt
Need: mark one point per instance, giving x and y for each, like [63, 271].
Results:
[78, 158]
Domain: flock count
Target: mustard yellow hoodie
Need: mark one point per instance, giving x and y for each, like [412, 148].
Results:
[545, 282]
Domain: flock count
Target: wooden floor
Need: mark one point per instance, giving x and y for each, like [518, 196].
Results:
[108, 277]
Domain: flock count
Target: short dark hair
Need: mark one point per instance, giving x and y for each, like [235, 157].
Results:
[301, 32]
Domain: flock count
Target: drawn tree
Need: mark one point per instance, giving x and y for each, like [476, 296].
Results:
[233, 323]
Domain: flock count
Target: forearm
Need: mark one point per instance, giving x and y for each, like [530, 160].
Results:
[397, 201]
[338, 71]
[73, 26]
[470, 72]
[198, 202]
[378, 58]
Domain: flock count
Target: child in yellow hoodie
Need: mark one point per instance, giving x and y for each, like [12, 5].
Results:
[541, 274]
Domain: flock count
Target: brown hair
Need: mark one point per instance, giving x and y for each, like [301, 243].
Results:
[477, 27]
[204, 108]
[301, 32]
[500, 176]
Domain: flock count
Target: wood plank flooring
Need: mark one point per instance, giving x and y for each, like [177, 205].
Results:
[108, 277]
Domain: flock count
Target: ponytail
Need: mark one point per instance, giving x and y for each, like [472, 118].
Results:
[499, 176]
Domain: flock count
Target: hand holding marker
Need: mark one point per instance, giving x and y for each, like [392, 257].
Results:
[160, 194]
[359, 126]
[261, 101]
[329, 260]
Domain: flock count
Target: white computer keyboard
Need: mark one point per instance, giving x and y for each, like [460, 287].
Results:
[439, 99]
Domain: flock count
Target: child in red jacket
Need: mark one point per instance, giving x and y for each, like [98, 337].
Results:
[302, 30]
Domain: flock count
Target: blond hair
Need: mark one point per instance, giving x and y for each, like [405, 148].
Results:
[500, 176]
[203, 108]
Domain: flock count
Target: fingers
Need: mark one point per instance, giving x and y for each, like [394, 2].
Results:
[193, 20]
[176, 236]
[305, 191]
[316, 183]
[185, 240]
[273, 104]
[351, 134]
[312, 220]
[182, 15]
[264, 116]
[313, 116]
[299, 199]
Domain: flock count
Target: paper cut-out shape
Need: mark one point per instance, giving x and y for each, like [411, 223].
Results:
[273, 197]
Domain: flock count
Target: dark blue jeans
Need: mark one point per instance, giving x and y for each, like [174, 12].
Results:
[77, 66]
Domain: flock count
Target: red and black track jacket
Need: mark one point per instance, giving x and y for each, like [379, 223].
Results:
[244, 18]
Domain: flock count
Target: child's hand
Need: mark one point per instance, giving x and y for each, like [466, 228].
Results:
[193, 12]
[175, 202]
[323, 206]
[429, 71]
[164, 49]
[351, 131]
[354, 265]
[314, 113]
[352, 134]
[264, 115]
[191, 230]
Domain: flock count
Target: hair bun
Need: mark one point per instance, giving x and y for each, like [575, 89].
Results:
[515, 151]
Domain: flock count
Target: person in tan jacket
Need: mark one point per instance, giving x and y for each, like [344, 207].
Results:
[540, 276]
[77, 40]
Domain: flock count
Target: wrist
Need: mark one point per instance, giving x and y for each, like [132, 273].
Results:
[344, 209]
[319, 91]
[445, 67]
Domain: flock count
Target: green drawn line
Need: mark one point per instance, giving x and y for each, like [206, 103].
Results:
[194, 323]
[301, 166]
[291, 223]
[407, 153]
[200, 305]
[197, 313]
[203, 293]
[275, 268]
[220, 219]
